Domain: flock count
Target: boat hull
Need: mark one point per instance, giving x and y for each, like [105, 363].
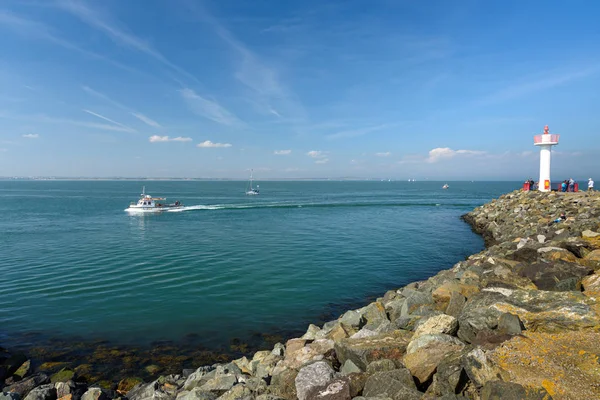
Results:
[152, 209]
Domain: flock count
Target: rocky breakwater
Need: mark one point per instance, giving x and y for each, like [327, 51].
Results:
[519, 320]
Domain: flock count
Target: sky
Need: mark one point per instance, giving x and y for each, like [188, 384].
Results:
[298, 89]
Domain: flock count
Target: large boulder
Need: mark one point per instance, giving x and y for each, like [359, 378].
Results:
[450, 376]
[397, 385]
[374, 315]
[283, 382]
[151, 391]
[414, 301]
[363, 351]
[74, 390]
[437, 339]
[556, 276]
[437, 324]
[197, 378]
[96, 393]
[337, 389]
[238, 392]
[498, 390]
[9, 396]
[312, 376]
[26, 385]
[480, 369]
[44, 392]
[196, 394]
[423, 361]
[455, 305]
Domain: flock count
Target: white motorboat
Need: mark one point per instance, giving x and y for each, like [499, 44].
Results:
[147, 203]
[252, 191]
[445, 186]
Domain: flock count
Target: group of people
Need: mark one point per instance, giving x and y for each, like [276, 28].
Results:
[568, 185]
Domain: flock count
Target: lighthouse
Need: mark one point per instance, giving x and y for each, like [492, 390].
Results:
[545, 141]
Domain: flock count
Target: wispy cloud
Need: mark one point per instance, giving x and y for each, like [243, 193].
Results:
[65, 121]
[31, 136]
[386, 154]
[253, 72]
[109, 120]
[145, 119]
[533, 85]
[38, 30]
[208, 108]
[156, 138]
[357, 132]
[282, 152]
[441, 153]
[209, 144]
[119, 35]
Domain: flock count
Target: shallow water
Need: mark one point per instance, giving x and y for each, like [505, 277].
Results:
[73, 263]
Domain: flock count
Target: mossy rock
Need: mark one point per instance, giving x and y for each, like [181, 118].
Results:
[104, 384]
[63, 375]
[24, 369]
[52, 366]
[125, 385]
[152, 369]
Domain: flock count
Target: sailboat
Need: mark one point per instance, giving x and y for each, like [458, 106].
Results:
[252, 191]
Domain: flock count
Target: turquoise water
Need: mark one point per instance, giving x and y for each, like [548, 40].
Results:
[72, 262]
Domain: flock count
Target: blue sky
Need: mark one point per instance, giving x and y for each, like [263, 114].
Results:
[383, 88]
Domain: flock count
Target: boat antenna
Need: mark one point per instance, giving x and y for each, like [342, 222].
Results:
[143, 190]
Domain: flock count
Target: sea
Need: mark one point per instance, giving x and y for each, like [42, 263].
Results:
[225, 268]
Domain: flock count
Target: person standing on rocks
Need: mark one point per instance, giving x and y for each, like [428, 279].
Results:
[571, 185]
[563, 186]
[562, 217]
[590, 185]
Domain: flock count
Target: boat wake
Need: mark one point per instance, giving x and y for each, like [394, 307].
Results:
[201, 207]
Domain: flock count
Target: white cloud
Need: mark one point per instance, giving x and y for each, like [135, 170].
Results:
[441, 153]
[315, 154]
[208, 108]
[31, 136]
[319, 156]
[386, 154]
[208, 143]
[282, 152]
[156, 138]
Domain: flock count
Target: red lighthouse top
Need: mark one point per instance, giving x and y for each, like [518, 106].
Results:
[546, 138]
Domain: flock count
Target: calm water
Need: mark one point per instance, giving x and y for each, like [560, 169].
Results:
[72, 262]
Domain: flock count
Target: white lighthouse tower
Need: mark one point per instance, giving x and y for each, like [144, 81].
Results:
[545, 141]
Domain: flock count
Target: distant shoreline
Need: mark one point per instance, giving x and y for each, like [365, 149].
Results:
[137, 179]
